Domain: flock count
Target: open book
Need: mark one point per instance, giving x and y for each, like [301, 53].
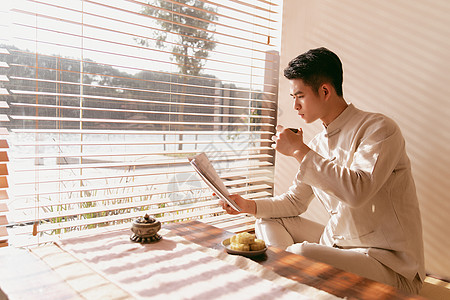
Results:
[205, 169]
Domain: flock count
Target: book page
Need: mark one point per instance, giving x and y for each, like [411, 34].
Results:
[208, 173]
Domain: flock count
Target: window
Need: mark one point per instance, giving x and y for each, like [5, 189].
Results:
[102, 101]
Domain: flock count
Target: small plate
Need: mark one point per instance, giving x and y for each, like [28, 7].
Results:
[226, 245]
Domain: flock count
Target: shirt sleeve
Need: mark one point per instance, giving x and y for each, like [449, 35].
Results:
[292, 203]
[378, 149]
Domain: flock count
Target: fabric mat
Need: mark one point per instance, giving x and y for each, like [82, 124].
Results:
[175, 268]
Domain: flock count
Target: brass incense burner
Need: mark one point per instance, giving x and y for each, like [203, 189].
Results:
[145, 230]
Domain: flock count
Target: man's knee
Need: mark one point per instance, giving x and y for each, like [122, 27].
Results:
[305, 249]
[267, 224]
[273, 232]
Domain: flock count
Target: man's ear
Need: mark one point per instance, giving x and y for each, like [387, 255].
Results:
[325, 90]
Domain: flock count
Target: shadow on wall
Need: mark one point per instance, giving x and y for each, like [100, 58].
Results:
[396, 61]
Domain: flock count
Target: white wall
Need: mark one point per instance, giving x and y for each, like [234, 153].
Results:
[396, 58]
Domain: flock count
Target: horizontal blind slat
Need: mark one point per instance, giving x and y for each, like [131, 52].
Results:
[90, 189]
[242, 169]
[134, 164]
[93, 120]
[215, 88]
[121, 154]
[131, 143]
[98, 109]
[98, 97]
[134, 132]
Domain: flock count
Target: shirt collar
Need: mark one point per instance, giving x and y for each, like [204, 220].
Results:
[335, 126]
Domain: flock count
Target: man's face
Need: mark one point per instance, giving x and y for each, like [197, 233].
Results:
[309, 105]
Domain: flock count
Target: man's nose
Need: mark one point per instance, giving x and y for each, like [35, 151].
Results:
[297, 105]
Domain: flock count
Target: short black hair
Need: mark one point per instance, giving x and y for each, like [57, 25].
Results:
[315, 67]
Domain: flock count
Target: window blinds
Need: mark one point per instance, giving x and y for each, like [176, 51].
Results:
[102, 101]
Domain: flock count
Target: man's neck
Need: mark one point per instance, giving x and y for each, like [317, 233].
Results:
[338, 106]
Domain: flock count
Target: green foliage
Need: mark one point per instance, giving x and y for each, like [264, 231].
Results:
[191, 21]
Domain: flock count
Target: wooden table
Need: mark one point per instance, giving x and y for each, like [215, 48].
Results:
[296, 267]
[24, 276]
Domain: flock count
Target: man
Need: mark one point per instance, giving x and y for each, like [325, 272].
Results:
[358, 168]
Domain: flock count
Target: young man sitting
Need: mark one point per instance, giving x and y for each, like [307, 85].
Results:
[358, 168]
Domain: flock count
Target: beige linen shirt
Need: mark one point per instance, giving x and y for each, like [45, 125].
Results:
[361, 173]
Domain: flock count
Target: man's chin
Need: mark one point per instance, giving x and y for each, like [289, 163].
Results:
[308, 121]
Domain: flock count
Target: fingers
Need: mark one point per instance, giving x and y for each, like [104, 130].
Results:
[228, 209]
[274, 138]
[225, 206]
[274, 145]
[281, 131]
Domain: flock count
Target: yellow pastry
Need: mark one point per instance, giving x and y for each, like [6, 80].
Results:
[239, 247]
[244, 238]
[257, 245]
[245, 241]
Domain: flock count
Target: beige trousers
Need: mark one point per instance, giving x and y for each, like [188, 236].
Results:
[301, 236]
